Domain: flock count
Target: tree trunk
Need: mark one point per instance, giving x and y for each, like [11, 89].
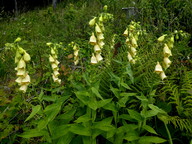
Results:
[54, 4]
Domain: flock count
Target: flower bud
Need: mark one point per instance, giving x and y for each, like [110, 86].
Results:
[17, 40]
[92, 21]
[97, 29]
[49, 44]
[26, 57]
[105, 8]
[161, 38]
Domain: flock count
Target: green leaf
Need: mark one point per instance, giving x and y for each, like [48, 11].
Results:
[131, 135]
[125, 85]
[52, 110]
[67, 115]
[102, 103]
[128, 94]
[135, 115]
[33, 133]
[104, 125]
[151, 139]
[150, 113]
[83, 96]
[156, 109]
[35, 110]
[60, 131]
[93, 104]
[115, 91]
[96, 92]
[110, 106]
[80, 130]
[130, 72]
[149, 129]
[66, 139]
[83, 118]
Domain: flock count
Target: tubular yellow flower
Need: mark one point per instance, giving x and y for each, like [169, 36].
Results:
[93, 59]
[101, 18]
[18, 80]
[167, 51]
[76, 61]
[158, 68]
[97, 29]
[26, 80]
[21, 72]
[125, 32]
[51, 59]
[127, 40]
[18, 39]
[133, 51]
[97, 48]
[93, 40]
[99, 57]
[101, 44]
[161, 38]
[21, 64]
[167, 62]
[162, 75]
[100, 37]
[56, 73]
[26, 57]
[92, 21]
[23, 88]
[134, 42]
[130, 58]
[54, 66]
[76, 53]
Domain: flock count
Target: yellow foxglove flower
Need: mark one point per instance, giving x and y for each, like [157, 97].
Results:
[134, 42]
[23, 88]
[93, 40]
[58, 81]
[49, 44]
[97, 29]
[76, 53]
[18, 39]
[101, 18]
[51, 59]
[92, 22]
[100, 37]
[54, 66]
[76, 61]
[162, 75]
[167, 62]
[21, 64]
[53, 52]
[75, 47]
[102, 27]
[26, 80]
[130, 58]
[56, 62]
[21, 72]
[158, 68]
[18, 80]
[167, 51]
[101, 44]
[133, 51]
[161, 38]
[54, 77]
[170, 44]
[21, 50]
[99, 57]
[26, 57]
[97, 48]
[127, 40]
[56, 73]
[125, 32]
[93, 59]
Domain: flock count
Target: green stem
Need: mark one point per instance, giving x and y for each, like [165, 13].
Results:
[169, 135]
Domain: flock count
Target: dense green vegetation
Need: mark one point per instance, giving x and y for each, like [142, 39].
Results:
[120, 96]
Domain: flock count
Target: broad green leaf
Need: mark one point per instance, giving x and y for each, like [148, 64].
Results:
[155, 108]
[125, 85]
[150, 113]
[60, 131]
[149, 129]
[125, 117]
[83, 118]
[42, 124]
[128, 94]
[123, 101]
[52, 110]
[33, 133]
[83, 96]
[104, 125]
[66, 139]
[96, 92]
[35, 110]
[93, 104]
[102, 103]
[87, 140]
[151, 139]
[135, 115]
[115, 91]
[131, 135]
[80, 130]
[110, 106]
[67, 115]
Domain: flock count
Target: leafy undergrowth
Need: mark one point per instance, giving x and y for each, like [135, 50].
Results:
[68, 80]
